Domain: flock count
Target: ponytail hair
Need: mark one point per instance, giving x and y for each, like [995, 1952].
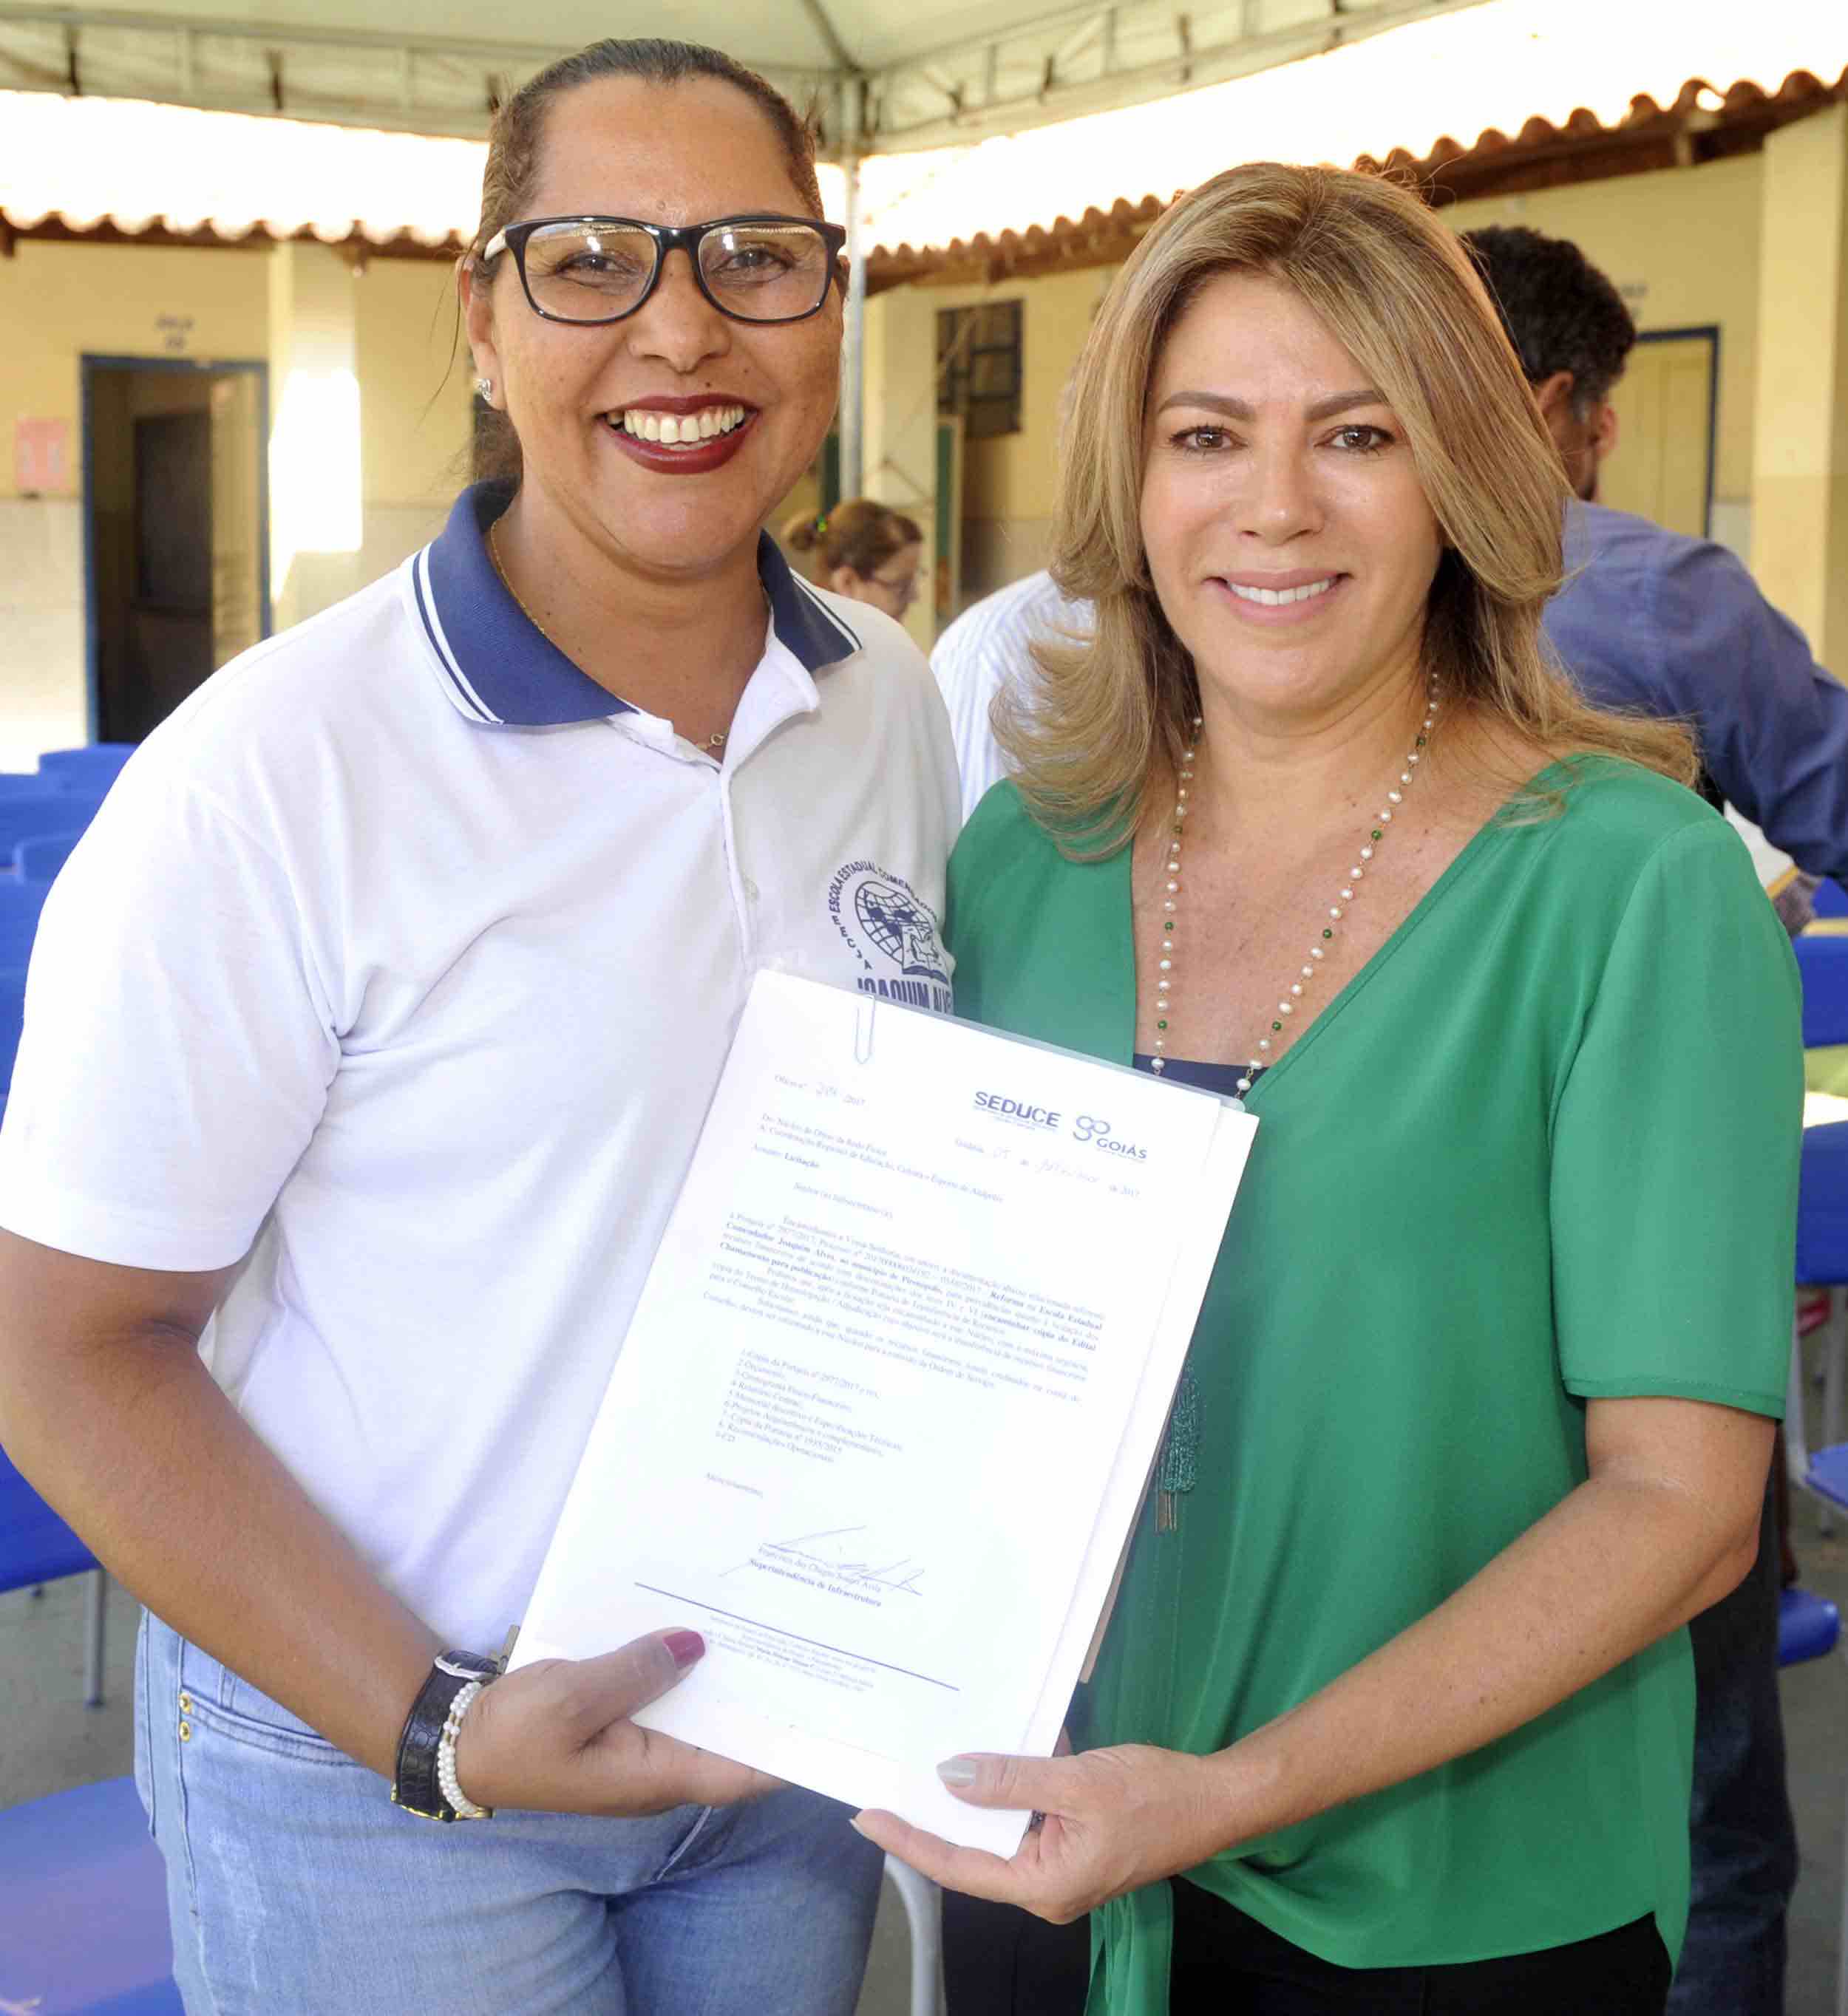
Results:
[861, 535]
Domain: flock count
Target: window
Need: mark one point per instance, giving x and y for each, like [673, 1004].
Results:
[978, 372]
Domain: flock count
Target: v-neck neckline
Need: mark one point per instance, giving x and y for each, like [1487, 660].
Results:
[1491, 829]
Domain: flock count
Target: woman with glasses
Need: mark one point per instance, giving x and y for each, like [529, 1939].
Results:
[865, 551]
[369, 1034]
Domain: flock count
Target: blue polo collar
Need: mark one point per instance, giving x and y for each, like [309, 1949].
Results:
[498, 669]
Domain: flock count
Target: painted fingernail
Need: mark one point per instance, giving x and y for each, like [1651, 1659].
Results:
[686, 1646]
[957, 1771]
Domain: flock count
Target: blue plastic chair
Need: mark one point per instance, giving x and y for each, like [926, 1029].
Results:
[85, 1930]
[39, 859]
[1822, 1204]
[1831, 899]
[92, 768]
[1822, 960]
[1809, 1626]
[20, 903]
[26, 816]
[12, 1011]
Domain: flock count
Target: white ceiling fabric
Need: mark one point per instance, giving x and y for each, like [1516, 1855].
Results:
[1494, 64]
[1493, 67]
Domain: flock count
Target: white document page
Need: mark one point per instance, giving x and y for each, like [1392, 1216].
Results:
[886, 1407]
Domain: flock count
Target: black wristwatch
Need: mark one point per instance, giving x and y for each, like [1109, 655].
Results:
[415, 1787]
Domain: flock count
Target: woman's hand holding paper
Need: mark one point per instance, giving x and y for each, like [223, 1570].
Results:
[1114, 1820]
[556, 1737]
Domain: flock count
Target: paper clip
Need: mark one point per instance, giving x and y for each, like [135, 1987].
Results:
[863, 1032]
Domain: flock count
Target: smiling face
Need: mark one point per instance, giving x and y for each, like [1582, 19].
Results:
[1289, 537]
[603, 411]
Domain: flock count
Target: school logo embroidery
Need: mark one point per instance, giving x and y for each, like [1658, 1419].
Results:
[892, 932]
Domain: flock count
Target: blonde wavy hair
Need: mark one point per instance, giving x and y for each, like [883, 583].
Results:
[1106, 713]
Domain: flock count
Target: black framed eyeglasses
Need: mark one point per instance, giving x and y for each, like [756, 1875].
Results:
[600, 269]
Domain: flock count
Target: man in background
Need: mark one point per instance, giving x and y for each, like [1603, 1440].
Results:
[1648, 619]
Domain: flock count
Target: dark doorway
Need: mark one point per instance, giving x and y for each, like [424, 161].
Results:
[176, 531]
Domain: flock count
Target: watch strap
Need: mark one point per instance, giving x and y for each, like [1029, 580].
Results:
[415, 1787]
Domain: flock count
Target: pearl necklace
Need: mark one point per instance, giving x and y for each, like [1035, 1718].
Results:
[1318, 951]
[712, 743]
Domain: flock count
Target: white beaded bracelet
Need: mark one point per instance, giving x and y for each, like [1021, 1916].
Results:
[464, 1807]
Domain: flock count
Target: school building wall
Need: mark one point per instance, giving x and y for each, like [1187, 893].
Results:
[1755, 247]
[60, 302]
[1682, 245]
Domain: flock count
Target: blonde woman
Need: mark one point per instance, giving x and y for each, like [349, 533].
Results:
[864, 550]
[1480, 1407]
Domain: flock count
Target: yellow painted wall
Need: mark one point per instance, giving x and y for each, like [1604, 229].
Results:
[1010, 480]
[57, 301]
[1655, 235]
[1683, 248]
[414, 401]
[1800, 533]
[1013, 476]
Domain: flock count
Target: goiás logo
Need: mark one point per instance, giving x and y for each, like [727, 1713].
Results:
[1019, 1112]
[1087, 1127]
[892, 932]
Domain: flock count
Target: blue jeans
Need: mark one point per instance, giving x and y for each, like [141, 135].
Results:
[296, 1888]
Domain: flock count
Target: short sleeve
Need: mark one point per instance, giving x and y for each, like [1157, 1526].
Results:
[177, 1047]
[1677, 1140]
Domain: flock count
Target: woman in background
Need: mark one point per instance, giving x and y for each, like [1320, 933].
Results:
[864, 550]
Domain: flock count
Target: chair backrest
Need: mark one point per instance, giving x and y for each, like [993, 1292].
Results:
[93, 768]
[1808, 1625]
[20, 903]
[25, 816]
[39, 859]
[1823, 961]
[1831, 899]
[35, 1544]
[12, 1015]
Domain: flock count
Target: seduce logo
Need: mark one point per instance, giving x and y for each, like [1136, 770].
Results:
[1022, 1112]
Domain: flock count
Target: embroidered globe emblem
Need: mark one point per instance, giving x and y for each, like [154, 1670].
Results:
[900, 926]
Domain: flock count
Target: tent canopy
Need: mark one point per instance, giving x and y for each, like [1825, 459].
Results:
[886, 76]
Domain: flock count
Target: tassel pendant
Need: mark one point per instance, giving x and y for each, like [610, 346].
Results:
[1175, 1472]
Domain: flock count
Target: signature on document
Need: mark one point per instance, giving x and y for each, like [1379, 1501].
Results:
[839, 1554]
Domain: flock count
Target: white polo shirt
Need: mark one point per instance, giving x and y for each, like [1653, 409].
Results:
[402, 960]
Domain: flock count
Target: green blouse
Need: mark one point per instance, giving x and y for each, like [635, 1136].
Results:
[1542, 1149]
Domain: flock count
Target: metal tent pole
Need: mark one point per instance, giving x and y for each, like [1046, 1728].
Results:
[853, 350]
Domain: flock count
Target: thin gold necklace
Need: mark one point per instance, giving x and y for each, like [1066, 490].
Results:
[1166, 949]
[712, 744]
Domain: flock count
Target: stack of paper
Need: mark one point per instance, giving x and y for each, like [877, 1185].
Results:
[888, 1406]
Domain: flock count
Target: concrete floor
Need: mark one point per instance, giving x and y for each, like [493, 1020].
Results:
[51, 1740]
